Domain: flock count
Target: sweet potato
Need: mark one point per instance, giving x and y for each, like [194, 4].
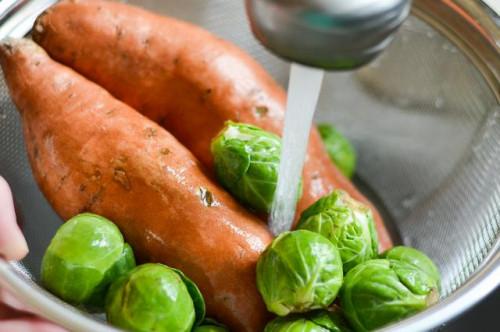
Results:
[90, 152]
[182, 77]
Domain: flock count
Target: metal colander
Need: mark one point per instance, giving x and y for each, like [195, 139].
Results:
[425, 120]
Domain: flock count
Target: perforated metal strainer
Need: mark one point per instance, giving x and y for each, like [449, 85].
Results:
[425, 119]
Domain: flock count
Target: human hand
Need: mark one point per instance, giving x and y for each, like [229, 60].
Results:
[14, 316]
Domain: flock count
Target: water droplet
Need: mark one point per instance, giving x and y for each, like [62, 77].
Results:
[375, 64]
[409, 201]
[430, 34]
[3, 115]
[439, 102]
[492, 121]
[407, 24]
[403, 102]
[408, 240]
[476, 149]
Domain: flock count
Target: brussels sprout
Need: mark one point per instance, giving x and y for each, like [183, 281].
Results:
[340, 150]
[378, 292]
[151, 297]
[419, 260]
[246, 160]
[293, 324]
[298, 272]
[210, 328]
[347, 223]
[210, 325]
[196, 296]
[315, 321]
[86, 254]
[125, 263]
[331, 320]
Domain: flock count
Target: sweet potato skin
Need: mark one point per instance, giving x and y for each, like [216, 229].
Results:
[182, 77]
[90, 152]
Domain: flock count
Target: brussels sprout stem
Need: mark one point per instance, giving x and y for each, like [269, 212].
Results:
[433, 297]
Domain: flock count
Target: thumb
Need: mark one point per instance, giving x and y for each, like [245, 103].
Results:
[29, 324]
[12, 243]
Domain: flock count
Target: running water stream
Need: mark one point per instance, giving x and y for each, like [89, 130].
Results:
[303, 92]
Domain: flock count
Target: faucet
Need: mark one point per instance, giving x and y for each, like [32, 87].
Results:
[328, 34]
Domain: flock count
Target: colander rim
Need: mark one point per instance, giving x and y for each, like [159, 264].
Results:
[484, 281]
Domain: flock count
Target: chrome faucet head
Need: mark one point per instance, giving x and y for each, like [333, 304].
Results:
[329, 34]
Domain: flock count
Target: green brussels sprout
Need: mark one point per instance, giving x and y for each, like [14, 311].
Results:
[125, 263]
[293, 324]
[340, 150]
[210, 325]
[210, 328]
[196, 296]
[246, 160]
[347, 223]
[298, 272]
[378, 292]
[333, 321]
[315, 321]
[86, 254]
[151, 297]
[429, 272]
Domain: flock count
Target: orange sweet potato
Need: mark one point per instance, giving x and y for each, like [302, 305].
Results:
[182, 77]
[91, 152]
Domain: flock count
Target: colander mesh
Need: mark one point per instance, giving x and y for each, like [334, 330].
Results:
[424, 122]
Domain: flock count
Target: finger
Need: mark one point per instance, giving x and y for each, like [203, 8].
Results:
[28, 325]
[7, 312]
[12, 243]
[8, 299]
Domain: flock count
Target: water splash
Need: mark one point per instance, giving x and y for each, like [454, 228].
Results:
[410, 201]
[303, 92]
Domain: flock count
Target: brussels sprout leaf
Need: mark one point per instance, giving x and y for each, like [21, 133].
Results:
[198, 300]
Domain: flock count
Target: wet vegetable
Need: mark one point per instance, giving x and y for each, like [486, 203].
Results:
[333, 321]
[210, 328]
[293, 324]
[125, 263]
[151, 297]
[380, 291]
[347, 223]
[210, 325]
[86, 254]
[196, 296]
[315, 321]
[246, 160]
[298, 272]
[339, 149]
[430, 273]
